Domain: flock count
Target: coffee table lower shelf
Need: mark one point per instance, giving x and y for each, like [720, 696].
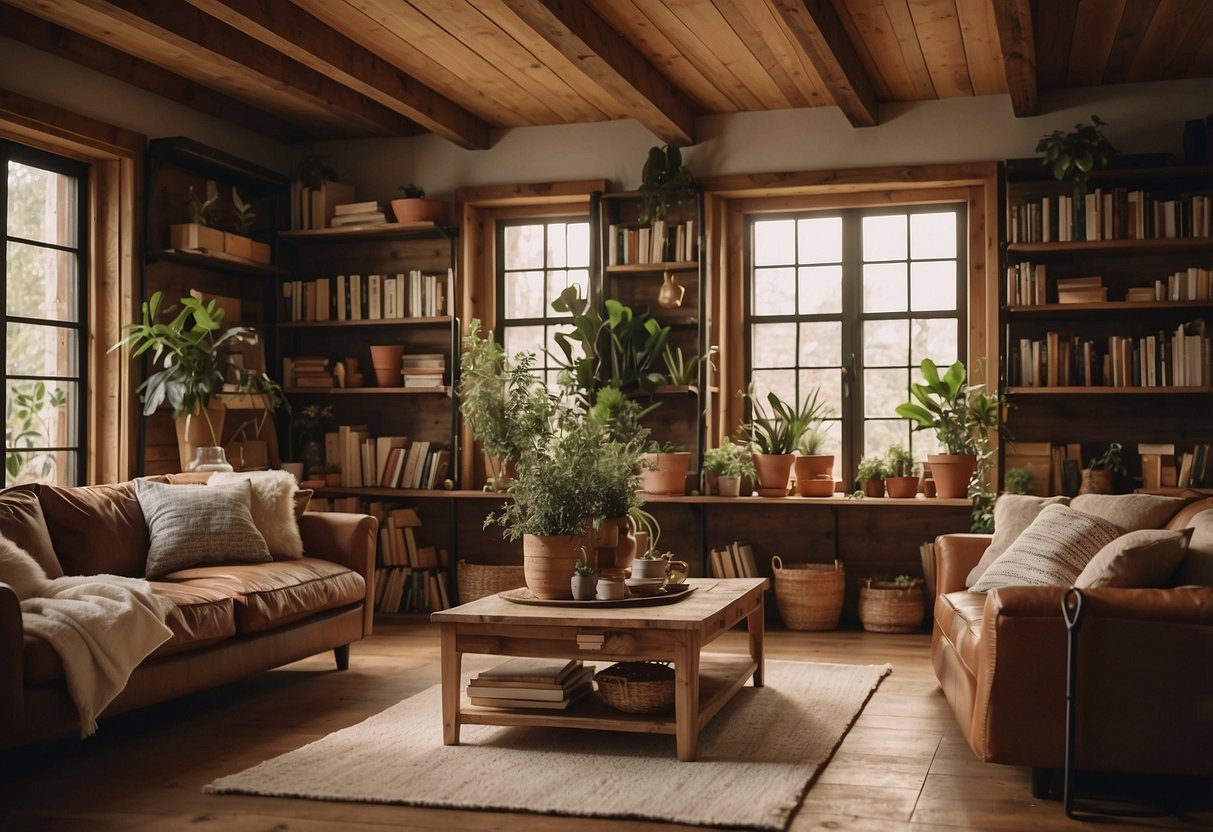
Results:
[720, 677]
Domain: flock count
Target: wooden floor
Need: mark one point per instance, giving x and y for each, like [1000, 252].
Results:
[904, 766]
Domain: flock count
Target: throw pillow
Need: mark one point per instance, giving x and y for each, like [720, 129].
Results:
[22, 522]
[1012, 514]
[20, 571]
[303, 497]
[190, 525]
[1052, 551]
[1186, 514]
[273, 509]
[96, 529]
[1197, 567]
[1130, 511]
[1140, 559]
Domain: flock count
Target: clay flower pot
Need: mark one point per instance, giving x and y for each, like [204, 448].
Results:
[873, 487]
[670, 474]
[773, 471]
[387, 361]
[548, 561]
[901, 486]
[952, 473]
[419, 210]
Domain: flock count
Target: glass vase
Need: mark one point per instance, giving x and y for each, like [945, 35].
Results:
[209, 458]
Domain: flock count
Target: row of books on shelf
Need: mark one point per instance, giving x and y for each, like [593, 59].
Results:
[660, 242]
[1179, 358]
[547, 684]
[1028, 285]
[733, 561]
[1057, 467]
[371, 297]
[312, 208]
[1110, 214]
[385, 461]
[406, 589]
[1162, 467]
[423, 369]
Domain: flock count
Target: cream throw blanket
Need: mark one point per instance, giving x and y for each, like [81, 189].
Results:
[101, 626]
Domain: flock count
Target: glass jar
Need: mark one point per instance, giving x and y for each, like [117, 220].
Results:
[209, 458]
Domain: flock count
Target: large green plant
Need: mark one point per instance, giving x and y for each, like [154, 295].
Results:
[961, 414]
[1074, 154]
[665, 183]
[780, 429]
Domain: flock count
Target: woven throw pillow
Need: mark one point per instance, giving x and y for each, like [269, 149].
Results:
[1140, 559]
[19, 570]
[1012, 514]
[273, 509]
[1052, 551]
[191, 525]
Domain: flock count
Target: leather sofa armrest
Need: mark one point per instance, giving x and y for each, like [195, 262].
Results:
[955, 557]
[12, 659]
[347, 539]
[1176, 605]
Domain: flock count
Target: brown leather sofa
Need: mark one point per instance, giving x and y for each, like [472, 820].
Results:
[1145, 672]
[231, 620]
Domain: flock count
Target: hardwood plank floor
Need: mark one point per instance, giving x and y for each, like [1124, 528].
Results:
[904, 765]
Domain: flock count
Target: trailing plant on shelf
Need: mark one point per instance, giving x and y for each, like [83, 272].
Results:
[665, 183]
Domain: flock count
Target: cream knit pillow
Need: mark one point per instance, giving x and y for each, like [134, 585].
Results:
[1052, 551]
[193, 525]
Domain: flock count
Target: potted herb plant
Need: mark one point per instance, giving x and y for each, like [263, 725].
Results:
[773, 436]
[900, 479]
[1097, 476]
[870, 476]
[730, 463]
[414, 207]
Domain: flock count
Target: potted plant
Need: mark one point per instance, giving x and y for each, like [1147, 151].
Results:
[1073, 155]
[237, 243]
[665, 469]
[773, 436]
[814, 469]
[870, 476]
[584, 584]
[962, 416]
[891, 605]
[730, 464]
[414, 207]
[679, 370]
[1097, 476]
[1019, 480]
[900, 479]
[198, 234]
[665, 183]
[307, 431]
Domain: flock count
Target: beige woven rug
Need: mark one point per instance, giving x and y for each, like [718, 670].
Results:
[756, 758]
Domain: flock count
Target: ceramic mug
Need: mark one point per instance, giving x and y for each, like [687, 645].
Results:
[609, 589]
[678, 572]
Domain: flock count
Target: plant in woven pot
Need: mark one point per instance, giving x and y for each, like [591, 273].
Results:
[962, 416]
[900, 478]
[730, 463]
[870, 474]
[1097, 476]
[774, 434]
[891, 605]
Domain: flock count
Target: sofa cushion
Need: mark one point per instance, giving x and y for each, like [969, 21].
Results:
[273, 509]
[203, 616]
[20, 571]
[274, 594]
[1012, 514]
[193, 524]
[1197, 566]
[96, 529]
[959, 616]
[1140, 559]
[1185, 515]
[22, 522]
[1052, 551]
[1130, 511]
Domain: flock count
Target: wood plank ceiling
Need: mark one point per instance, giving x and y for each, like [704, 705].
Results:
[302, 70]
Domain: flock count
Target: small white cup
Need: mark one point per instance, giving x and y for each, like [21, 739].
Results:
[609, 589]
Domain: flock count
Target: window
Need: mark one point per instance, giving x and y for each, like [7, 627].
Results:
[539, 260]
[849, 302]
[44, 214]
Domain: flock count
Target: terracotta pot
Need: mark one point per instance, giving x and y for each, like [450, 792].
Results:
[614, 545]
[928, 488]
[547, 563]
[952, 473]
[729, 486]
[873, 487]
[822, 486]
[387, 360]
[809, 466]
[670, 475]
[194, 432]
[902, 487]
[419, 210]
[773, 473]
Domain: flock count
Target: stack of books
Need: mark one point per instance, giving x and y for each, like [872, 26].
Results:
[551, 684]
[309, 371]
[357, 213]
[424, 369]
[1081, 290]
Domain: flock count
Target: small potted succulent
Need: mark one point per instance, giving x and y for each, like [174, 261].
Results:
[414, 207]
[584, 581]
[814, 469]
[870, 476]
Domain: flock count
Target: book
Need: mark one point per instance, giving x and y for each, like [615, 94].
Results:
[526, 669]
[355, 208]
[574, 695]
[534, 691]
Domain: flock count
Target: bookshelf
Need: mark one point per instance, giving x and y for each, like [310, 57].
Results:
[1106, 313]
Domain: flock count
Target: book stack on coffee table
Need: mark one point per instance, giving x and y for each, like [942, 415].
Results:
[552, 684]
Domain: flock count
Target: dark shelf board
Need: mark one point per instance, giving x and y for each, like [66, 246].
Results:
[386, 231]
[221, 262]
[1150, 246]
[443, 320]
[1052, 310]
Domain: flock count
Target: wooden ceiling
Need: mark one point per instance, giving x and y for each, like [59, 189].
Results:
[301, 70]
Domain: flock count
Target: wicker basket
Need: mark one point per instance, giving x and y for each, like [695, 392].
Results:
[637, 687]
[479, 580]
[890, 609]
[809, 595]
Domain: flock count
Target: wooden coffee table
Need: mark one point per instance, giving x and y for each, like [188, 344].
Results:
[674, 632]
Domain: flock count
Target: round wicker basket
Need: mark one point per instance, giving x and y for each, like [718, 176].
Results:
[888, 608]
[479, 580]
[809, 595]
[637, 687]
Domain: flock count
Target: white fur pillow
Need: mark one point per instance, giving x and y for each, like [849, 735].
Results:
[20, 571]
[1052, 551]
[273, 509]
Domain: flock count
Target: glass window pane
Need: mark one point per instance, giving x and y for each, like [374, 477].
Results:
[524, 339]
[781, 382]
[933, 285]
[557, 245]
[523, 247]
[774, 345]
[35, 350]
[821, 344]
[883, 390]
[828, 384]
[774, 242]
[924, 443]
[578, 244]
[934, 338]
[40, 414]
[41, 282]
[774, 291]
[879, 434]
[820, 290]
[884, 238]
[884, 287]
[524, 296]
[41, 205]
[933, 235]
[885, 343]
[820, 240]
[53, 467]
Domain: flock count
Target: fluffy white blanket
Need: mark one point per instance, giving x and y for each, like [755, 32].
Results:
[101, 626]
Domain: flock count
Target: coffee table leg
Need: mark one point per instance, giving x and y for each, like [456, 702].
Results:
[755, 624]
[686, 699]
[451, 661]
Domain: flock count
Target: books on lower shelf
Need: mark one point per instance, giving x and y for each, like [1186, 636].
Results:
[550, 684]
[367, 297]
[1110, 214]
[734, 561]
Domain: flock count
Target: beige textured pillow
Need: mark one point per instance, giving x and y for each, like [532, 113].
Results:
[19, 570]
[1130, 511]
[1140, 559]
[192, 525]
[273, 509]
[1012, 514]
[1052, 551]
[1197, 566]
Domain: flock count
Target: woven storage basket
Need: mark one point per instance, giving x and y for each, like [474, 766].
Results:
[637, 687]
[809, 595]
[891, 609]
[478, 580]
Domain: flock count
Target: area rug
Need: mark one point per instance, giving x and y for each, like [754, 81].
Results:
[756, 758]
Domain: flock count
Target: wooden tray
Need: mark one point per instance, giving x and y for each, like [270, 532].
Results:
[669, 595]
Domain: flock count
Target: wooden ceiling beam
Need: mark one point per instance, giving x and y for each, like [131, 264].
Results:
[604, 58]
[285, 27]
[1016, 38]
[816, 28]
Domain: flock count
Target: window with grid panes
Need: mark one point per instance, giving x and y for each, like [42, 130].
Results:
[848, 303]
[44, 217]
[538, 259]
